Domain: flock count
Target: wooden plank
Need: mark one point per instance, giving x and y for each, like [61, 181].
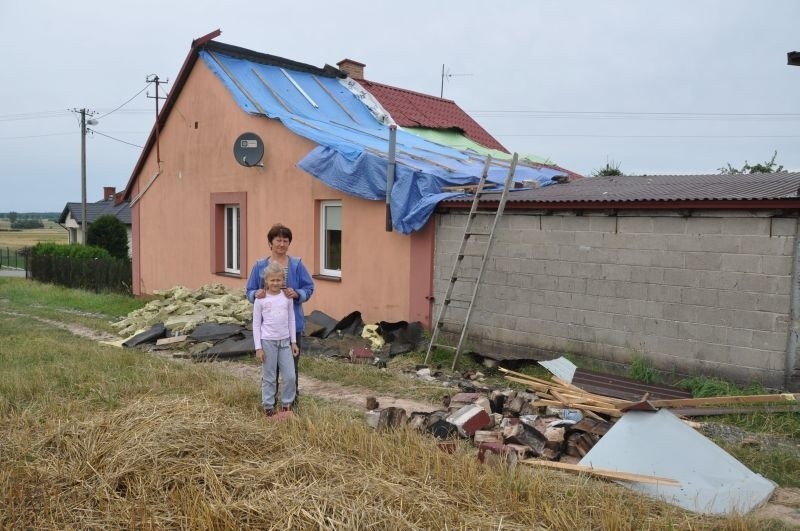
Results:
[601, 472]
[613, 412]
[170, 340]
[716, 400]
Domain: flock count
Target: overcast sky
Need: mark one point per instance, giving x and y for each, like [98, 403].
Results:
[680, 86]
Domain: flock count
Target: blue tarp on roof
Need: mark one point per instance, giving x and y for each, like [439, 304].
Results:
[353, 145]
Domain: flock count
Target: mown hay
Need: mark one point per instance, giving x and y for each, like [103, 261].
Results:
[190, 464]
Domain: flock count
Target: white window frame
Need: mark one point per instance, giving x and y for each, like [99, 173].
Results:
[232, 243]
[323, 229]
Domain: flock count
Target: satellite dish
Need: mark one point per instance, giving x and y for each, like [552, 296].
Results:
[248, 150]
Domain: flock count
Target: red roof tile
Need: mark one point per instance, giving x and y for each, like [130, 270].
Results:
[414, 109]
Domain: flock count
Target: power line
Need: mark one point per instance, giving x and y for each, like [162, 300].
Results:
[126, 102]
[33, 115]
[645, 136]
[35, 136]
[633, 113]
[116, 139]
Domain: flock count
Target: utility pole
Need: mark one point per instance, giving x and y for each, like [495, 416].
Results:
[83, 176]
[155, 79]
[84, 122]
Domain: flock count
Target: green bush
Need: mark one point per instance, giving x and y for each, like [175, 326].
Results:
[109, 233]
[69, 250]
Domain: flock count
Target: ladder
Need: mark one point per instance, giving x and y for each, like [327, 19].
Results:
[457, 276]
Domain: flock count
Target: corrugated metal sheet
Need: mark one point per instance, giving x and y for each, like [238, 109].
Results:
[666, 188]
[624, 388]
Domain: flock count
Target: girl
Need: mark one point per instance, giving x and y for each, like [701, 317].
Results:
[275, 337]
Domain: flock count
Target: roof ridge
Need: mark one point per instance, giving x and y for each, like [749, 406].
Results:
[410, 91]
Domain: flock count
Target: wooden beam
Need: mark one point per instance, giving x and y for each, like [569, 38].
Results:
[716, 400]
[604, 473]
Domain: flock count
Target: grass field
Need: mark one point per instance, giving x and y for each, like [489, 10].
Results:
[96, 437]
[24, 238]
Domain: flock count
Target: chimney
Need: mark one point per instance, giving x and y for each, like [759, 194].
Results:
[352, 68]
[108, 193]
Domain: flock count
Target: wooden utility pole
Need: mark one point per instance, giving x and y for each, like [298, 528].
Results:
[83, 176]
[155, 79]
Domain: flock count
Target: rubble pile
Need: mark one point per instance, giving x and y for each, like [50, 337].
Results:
[181, 310]
[505, 424]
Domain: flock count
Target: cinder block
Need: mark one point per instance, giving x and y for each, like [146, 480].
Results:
[744, 263]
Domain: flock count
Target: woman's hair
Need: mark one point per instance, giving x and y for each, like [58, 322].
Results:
[273, 268]
[279, 230]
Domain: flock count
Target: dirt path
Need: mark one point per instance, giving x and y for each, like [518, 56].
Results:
[329, 391]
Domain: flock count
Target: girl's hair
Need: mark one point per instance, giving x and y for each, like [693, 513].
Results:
[273, 268]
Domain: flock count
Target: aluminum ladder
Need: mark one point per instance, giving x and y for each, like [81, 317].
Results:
[458, 267]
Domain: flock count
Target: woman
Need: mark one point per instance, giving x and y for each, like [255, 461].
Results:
[299, 285]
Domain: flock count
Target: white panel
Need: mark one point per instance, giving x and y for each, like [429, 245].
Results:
[660, 444]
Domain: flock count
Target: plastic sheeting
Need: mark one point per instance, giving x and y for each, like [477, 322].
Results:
[660, 444]
[353, 145]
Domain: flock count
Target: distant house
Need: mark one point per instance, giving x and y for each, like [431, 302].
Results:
[696, 274]
[112, 204]
[201, 207]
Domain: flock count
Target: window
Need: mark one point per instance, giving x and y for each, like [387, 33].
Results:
[232, 238]
[228, 233]
[330, 238]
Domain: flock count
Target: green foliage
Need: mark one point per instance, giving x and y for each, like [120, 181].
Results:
[109, 233]
[69, 250]
[610, 169]
[27, 224]
[703, 387]
[762, 167]
[641, 370]
[80, 266]
[12, 217]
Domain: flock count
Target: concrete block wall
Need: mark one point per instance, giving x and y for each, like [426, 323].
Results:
[706, 293]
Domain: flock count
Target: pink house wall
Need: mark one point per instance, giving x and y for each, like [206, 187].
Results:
[387, 276]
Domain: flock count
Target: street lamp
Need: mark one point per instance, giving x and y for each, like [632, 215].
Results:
[84, 123]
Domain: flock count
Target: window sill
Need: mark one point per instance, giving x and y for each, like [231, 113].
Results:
[327, 277]
[229, 275]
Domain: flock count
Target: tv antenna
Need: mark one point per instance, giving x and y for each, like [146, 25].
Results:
[448, 75]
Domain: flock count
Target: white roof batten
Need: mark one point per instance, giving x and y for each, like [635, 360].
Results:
[300, 89]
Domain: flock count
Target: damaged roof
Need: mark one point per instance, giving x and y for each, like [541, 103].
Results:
[352, 136]
[414, 109]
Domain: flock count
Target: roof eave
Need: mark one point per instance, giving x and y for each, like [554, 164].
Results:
[725, 204]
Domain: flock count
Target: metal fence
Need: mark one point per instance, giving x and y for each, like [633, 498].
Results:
[12, 259]
[94, 274]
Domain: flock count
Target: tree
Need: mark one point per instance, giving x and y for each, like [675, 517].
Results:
[109, 233]
[765, 167]
[610, 169]
[12, 217]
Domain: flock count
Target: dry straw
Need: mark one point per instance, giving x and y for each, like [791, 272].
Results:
[174, 463]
